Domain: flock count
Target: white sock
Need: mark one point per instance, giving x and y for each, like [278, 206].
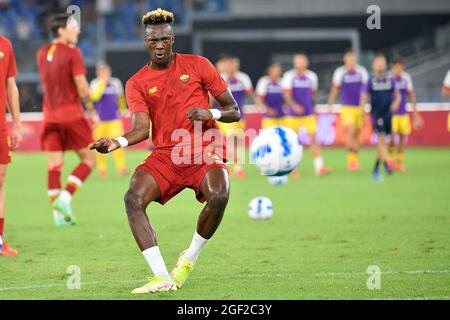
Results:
[197, 244]
[65, 196]
[156, 262]
[318, 164]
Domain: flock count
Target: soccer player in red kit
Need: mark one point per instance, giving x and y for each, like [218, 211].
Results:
[172, 92]
[9, 96]
[63, 77]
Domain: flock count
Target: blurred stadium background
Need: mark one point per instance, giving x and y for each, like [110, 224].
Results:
[257, 31]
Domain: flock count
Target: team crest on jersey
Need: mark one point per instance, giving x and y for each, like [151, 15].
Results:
[184, 78]
[215, 157]
[153, 90]
[1, 54]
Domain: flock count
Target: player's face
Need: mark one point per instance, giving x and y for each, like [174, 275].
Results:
[275, 71]
[71, 32]
[234, 65]
[301, 62]
[221, 65]
[350, 60]
[397, 69]
[104, 72]
[159, 40]
[379, 64]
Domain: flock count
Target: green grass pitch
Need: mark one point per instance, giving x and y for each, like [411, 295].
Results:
[324, 234]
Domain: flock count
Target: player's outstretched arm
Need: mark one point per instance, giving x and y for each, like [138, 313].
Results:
[229, 110]
[332, 97]
[14, 109]
[139, 132]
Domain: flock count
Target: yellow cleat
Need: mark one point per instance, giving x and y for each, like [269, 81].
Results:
[156, 284]
[182, 270]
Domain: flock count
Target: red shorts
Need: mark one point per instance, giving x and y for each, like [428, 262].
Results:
[73, 135]
[174, 178]
[5, 149]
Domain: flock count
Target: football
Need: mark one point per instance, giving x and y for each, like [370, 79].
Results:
[260, 208]
[276, 151]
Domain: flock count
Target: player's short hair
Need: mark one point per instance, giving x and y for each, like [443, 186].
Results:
[223, 56]
[300, 53]
[58, 21]
[399, 60]
[349, 51]
[379, 55]
[102, 64]
[158, 16]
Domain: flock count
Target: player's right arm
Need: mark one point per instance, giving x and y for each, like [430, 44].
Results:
[85, 97]
[139, 132]
[335, 85]
[14, 110]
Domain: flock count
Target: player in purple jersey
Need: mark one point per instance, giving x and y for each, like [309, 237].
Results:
[107, 93]
[240, 86]
[300, 86]
[401, 124]
[351, 80]
[269, 93]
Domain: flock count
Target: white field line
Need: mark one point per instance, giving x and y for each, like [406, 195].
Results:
[262, 275]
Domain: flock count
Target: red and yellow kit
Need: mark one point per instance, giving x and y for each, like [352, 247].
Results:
[65, 127]
[7, 69]
[167, 95]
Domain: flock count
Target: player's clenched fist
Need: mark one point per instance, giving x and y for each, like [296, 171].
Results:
[199, 114]
[105, 145]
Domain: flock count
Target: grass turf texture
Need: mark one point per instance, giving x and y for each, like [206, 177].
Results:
[324, 234]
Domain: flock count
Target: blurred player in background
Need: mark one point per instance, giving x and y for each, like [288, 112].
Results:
[240, 86]
[401, 124]
[173, 91]
[107, 93]
[384, 101]
[300, 86]
[446, 94]
[62, 72]
[269, 93]
[9, 97]
[351, 80]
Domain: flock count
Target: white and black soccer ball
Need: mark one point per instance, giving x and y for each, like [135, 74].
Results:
[276, 151]
[260, 208]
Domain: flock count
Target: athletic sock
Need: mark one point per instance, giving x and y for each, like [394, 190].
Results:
[75, 181]
[2, 226]
[376, 167]
[400, 157]
[391, 150]
[197, 244]
[386, 167]
[156, 262]
[318, 164]
[54, 182]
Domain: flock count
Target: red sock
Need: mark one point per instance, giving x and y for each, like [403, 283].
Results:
[77, 177]
[54, 182]
[2, 224]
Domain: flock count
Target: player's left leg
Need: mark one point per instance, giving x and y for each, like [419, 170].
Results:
[215, 189]
[5, 250]
[311, 128]
[74, 182]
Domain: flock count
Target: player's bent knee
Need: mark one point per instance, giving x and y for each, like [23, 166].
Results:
[133, 203]
[218, 200]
